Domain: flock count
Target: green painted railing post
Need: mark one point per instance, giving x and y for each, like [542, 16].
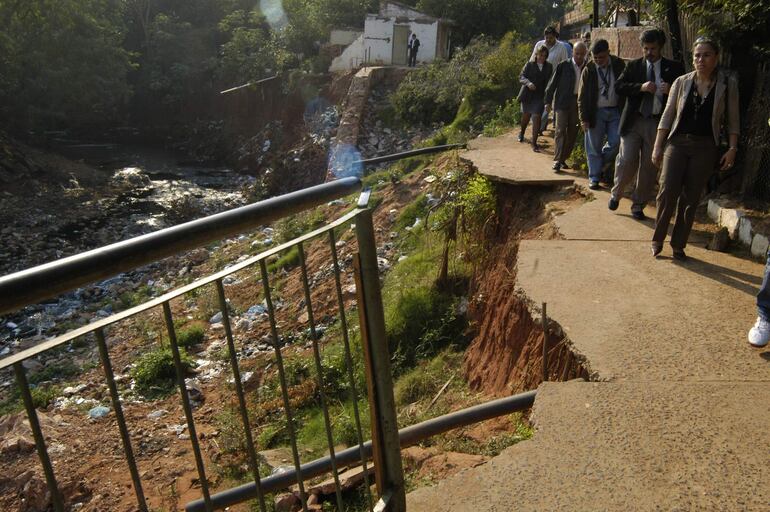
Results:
[387, 452]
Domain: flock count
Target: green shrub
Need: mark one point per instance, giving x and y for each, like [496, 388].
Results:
[420, 324]
[288, 260]
[128, 300]
[433, 93]
[232, 438]
[55, 371]
[312, 434]
[41, 397]
[506, 117]
[479, 106]
[273, 435]
[578, 155]
[478, 202]
[424, 381]
[289, 228]
[503, 65]
[335, 370]
[155, 369]
[190, 335]
[417, 209]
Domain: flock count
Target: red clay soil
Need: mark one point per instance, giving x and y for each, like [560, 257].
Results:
[506, 355]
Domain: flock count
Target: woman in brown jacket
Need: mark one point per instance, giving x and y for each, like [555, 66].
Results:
[687, 143]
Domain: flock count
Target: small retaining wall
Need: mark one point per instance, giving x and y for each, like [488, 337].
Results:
[739, 227]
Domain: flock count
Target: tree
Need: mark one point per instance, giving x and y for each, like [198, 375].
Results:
[741, 24]
[62, 62]
[493, 17]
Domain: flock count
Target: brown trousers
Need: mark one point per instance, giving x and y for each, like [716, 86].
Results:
[635, 161]
[688, 162]
[566, 124]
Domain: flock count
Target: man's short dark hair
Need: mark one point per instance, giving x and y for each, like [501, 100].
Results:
[550, 30]
[600, 46]
[653, 35]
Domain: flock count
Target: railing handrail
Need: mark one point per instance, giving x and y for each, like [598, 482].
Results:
[35, 284]
[177, 292]
[407, 154]
[407, 436]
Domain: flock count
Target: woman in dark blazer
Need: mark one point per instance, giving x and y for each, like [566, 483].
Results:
[699, 104]
[534, 79]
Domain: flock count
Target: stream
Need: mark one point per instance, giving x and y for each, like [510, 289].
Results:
[146, 188]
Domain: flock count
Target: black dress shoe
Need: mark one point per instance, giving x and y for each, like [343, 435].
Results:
[520, 138]
[594, 185]
[638, 215]
[536, 148]
[679, 255]
[613, 204]
[656, 249]
[556, 166]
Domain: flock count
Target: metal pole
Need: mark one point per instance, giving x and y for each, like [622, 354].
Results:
[350, 364]
[320, 376]
[408, 154]
[109, 375]
[37, 433]
[284, 386]
[595, 21]
[186, 405]
[242, 408]
[545, 343]
[387, 425]
[407, 437]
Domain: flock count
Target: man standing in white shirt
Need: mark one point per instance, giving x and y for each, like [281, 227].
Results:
[557, 53]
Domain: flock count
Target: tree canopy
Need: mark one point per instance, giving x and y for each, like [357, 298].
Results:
[95, 62]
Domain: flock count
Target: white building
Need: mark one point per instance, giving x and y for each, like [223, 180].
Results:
[386, 35]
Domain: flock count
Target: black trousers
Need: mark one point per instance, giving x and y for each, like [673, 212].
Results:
[688, 161]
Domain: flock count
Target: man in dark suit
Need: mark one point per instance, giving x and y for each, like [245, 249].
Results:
[412, 47]
[645, 84]
[562, 91]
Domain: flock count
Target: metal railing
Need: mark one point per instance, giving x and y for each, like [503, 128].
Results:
[33, 285]
[408, 436]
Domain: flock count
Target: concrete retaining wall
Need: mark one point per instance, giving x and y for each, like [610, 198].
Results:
[739, 227]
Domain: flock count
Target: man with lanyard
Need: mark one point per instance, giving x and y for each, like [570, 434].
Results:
[599, 109]
[557, 53]
[645, 84]
[562, 90]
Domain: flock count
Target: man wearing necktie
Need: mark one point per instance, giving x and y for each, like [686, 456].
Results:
[599, 108]
[645, 84]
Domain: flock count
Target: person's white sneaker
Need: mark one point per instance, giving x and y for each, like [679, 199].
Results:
[759, 335]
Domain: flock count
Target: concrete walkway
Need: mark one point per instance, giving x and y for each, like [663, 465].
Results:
[678, 417]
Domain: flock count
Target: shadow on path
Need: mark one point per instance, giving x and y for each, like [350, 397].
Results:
[741, 281]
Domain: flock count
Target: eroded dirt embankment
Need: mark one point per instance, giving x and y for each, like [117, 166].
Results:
[506, 355]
